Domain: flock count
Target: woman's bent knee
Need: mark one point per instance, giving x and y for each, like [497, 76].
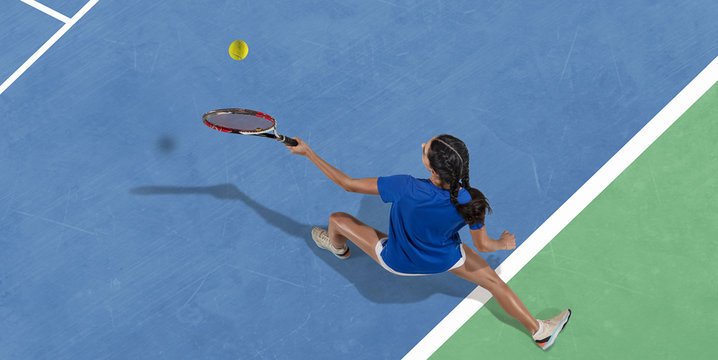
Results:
[493, 282]
[339, 217]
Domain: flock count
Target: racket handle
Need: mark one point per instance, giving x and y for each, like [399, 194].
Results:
[287, 140]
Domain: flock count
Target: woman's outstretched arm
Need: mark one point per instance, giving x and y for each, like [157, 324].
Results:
[362, 186]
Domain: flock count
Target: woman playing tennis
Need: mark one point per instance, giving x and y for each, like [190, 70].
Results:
[425, 217]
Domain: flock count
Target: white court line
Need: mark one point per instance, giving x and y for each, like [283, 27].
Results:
[47, 10]
[568, 211]
[6, 84]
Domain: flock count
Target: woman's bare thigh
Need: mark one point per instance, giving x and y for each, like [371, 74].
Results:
[359, 233]
[477, 270]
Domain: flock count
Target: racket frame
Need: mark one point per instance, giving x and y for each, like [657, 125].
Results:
[270, 132]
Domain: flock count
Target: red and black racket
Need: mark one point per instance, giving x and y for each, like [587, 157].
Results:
[245, 122]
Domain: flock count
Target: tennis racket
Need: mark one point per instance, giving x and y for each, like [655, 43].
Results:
[245, 122]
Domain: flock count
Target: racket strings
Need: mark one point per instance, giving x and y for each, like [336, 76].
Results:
[240, 121]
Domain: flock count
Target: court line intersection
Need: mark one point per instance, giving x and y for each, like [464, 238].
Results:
[69, 23]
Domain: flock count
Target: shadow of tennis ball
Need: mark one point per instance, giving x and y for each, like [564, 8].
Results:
[166, 144]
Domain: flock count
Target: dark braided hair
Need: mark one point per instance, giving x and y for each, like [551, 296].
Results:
[449, 158]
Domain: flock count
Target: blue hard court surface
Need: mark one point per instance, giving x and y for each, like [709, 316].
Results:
[129, 230]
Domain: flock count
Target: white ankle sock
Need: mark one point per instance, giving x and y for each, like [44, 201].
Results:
[539, 329]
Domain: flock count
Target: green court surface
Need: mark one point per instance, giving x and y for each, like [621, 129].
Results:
[638, 266]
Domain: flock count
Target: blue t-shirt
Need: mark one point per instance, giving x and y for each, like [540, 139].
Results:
[423, 226]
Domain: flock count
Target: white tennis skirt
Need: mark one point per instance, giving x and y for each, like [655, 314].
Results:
[380, 246]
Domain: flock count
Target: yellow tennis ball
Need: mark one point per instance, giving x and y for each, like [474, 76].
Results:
[238, 50]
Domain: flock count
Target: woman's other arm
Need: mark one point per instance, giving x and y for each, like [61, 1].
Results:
[484, 243]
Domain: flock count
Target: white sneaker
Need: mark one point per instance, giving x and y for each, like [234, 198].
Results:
[550, 329]
[321, 238]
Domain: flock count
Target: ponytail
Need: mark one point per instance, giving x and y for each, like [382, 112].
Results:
[449, 157]
[474, 212]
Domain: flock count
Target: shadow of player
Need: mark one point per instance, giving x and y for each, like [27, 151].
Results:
[373, 282]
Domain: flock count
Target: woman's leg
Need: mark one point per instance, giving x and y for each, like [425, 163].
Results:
[477, 270]
[344, 227]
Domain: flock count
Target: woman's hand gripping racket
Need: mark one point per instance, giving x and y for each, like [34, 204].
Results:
[245, 122]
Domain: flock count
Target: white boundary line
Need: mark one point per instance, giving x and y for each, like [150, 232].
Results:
[570, 209]
[47, 10]
[47, 45]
